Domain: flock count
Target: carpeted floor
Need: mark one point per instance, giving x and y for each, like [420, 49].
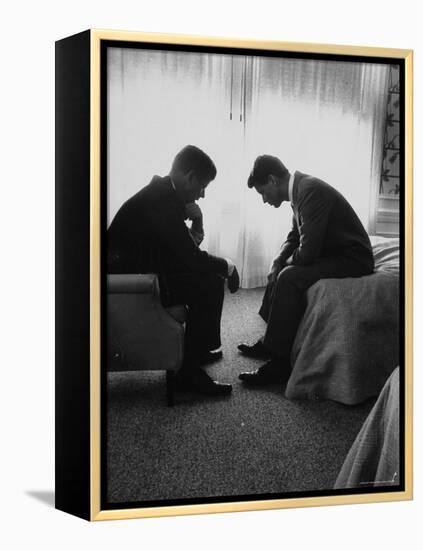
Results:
[253, 442]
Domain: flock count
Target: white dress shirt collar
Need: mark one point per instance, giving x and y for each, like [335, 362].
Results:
[290, 186]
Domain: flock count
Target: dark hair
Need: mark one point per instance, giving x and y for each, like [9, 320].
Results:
[264, 166]
[193, 158]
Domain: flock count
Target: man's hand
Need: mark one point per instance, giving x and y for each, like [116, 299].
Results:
[194, 214]
[233, 281]
[274, 272]
[193, 211]
[276, 268]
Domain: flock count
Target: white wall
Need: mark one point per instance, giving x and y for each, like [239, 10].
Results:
[29, 30]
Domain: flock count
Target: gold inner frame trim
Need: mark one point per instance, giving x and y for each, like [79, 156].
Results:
[95, 247]
[95, 278]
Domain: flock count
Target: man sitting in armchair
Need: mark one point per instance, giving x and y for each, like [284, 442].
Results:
[149, 235]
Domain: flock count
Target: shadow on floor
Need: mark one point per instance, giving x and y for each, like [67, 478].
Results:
[46, 497]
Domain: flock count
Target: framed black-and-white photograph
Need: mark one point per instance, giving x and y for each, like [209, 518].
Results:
[234, 301]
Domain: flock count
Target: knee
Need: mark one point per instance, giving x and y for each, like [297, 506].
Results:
[287, 276]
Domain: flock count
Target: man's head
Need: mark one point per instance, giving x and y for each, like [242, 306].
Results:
[192, 170]
[270, 178]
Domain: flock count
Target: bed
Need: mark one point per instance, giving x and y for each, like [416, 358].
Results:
[347, 344]
[373, 460]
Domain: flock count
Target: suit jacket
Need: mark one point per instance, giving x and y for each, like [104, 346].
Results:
[324, 225]
[149, 235]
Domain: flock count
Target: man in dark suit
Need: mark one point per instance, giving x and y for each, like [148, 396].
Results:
[327, 240]
[149, 235]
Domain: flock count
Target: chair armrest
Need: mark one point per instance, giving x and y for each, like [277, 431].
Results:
[141, 334]
[133, 284]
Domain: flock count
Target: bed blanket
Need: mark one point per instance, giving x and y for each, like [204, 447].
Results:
[373, 460]
[347, 343]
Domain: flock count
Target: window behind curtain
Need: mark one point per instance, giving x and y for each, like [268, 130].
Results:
[324, 118]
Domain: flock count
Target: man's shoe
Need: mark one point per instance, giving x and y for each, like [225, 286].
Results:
[196, 380]
[208, 358]
[256, 351]
[271, 372]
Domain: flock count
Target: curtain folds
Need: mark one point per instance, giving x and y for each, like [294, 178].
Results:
[320, 117]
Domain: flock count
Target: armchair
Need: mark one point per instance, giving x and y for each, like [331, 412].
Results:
[141, 333]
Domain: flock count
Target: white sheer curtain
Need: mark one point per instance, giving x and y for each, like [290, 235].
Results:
[320, 117]
[323, 118]
[158, 102]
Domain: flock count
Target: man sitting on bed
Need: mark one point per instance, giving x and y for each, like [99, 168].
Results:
[327, 240]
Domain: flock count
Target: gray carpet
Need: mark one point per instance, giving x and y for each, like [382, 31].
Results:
[253, 442]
